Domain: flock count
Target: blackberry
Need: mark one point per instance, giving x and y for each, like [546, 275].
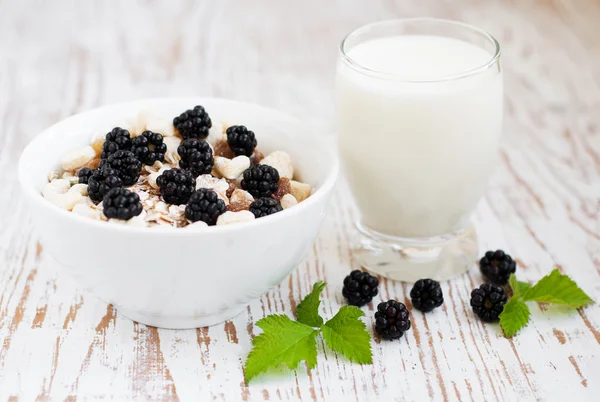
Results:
[127, 166]
[120, 203]
[359, 288]
[196, 156]
[149, 147]
[116, 139]
[497, 266]
[193, 123]
[426, 294]
[176, 185]
[265, 206]
[488, 301]
[205, 205]
[241, 140]
[84, 175]
[391, 320]
[260, 180]
[101, 181]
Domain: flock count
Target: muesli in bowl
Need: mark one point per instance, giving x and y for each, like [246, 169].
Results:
[167, 272]
[181, 171]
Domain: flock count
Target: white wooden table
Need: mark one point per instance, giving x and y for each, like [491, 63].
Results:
[60, 343]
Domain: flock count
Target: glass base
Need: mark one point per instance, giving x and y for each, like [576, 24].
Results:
[409, 260]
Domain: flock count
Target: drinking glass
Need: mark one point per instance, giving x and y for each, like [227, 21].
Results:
[419, 109]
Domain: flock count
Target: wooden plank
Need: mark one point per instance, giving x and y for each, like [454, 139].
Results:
[58, 342]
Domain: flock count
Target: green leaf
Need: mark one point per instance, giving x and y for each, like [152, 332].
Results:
[283, 341]
[308, 309]
[558, 289]
[514, 316]
[347, 334]
[517, 287]
[523, 286]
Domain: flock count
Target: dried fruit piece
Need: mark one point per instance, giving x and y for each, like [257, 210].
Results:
[235, 206]
[256, 157]
[98, 144]
[283, 188]
[222, 149]
[240, 195]
[230, 190]
[94, 163]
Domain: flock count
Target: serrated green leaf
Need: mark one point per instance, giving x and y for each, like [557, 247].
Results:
[514, 316]
[523, 286]
[517, 287]
[558, 289]
[347, 334]
[308, 309]
[283, 341]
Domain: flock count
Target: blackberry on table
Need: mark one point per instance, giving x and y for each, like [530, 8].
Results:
[204, 205]
[241, 140]
[84, 175]
[196, 156]
[359, 288]
[116, 139]
[120, 203]
[149, 147]
[101, 181]
[193, 123]
[497, 266]
[265, 206]
[391, 320]
[426, 294]
[176, 185]
[126, 164]
[488, 301]
[260, 180]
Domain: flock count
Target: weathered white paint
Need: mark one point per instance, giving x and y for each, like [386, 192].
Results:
[60, 57]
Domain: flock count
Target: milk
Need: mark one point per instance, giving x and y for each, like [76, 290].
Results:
[418, 155]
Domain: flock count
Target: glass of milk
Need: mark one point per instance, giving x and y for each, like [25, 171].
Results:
[419, 120]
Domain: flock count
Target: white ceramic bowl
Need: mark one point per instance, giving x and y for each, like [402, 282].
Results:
[180, 278]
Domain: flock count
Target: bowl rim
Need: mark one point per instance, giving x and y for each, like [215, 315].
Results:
[317, 196]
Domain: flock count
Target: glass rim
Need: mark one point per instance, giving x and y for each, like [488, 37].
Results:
[397, 77]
